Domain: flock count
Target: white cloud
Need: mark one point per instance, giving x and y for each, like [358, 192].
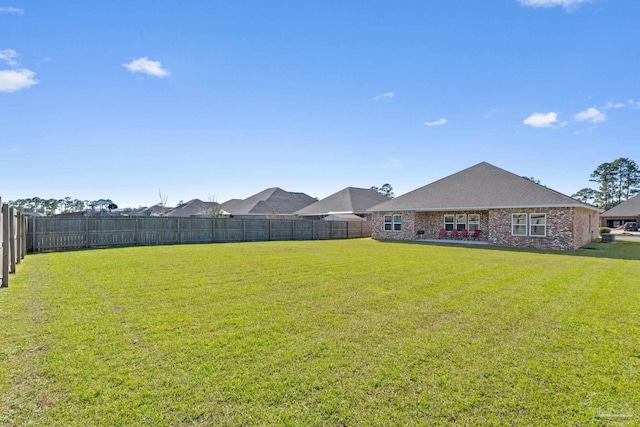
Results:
[542, 120]
[634, 104]
[590, 115]
[144, 65]
[12, 10]
[7, 56]
[14, 80]
[490, 113]
[568, 5]
[386, 95]
[611, 106]
[439, 122]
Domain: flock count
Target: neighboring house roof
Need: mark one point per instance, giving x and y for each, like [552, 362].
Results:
[270, 201]
[343, 217]
[67, 214]
[629, 208]
[232, 205]
[152, 210]
[349, 200]
[482, 186]
[195, 207]
[32, 214]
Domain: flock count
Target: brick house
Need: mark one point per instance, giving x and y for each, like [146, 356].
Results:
[508, 209]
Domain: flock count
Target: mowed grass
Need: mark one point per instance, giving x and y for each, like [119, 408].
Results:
[331, 333]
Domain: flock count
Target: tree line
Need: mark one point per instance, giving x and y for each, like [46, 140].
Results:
[49, 206]
[618, 181]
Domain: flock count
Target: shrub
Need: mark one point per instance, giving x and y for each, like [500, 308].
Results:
[604, 230]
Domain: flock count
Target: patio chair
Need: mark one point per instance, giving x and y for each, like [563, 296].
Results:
[464, 234]
[454, 233]
[475, 235]
[443, 234]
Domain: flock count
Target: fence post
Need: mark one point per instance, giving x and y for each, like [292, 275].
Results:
[213, 230]
[12, 240]
[19, 237]
[4, 248]
[137, 236]
[86, 231]
[269, 229]
[244, 230]
[179, 234]
[25, 228]
[34, 239]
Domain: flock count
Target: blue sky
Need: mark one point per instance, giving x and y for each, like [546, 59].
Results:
[222, 99]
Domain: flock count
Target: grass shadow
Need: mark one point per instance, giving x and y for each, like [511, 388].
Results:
[621, 249]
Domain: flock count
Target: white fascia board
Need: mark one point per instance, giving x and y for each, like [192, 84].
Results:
[483, 208]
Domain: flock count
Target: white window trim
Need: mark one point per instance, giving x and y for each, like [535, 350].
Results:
[444, 221]
[466, 221]
[513, 224]
[385, 222]
[469, 222]
[392, 223]
[531, 225]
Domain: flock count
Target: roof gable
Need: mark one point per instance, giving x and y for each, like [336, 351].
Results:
[152, 210]
[270, 201]
[347, 200]
[482, 186]
[195, 207]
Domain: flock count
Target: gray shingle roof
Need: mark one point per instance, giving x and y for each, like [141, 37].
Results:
[152, 210]
[482, 186]
[629, 208]
[195, 207]
[349, 200]
[268, 202]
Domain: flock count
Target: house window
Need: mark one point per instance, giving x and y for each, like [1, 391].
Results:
[388, 223]
[461, 221]
[397, 223]
[393, 223]
[474, 222]
[537, 224]
[448, 222]
[519, 224]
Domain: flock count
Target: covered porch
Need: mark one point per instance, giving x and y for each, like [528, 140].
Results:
[452, 226]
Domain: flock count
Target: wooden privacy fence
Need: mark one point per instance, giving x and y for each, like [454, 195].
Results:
[13, 241]
[55, 234]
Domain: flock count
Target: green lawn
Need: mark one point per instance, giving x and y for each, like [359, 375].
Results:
[353, 332]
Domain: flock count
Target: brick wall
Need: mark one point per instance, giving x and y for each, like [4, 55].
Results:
[432, 222]
[567, 228]
[585, 227]
[409, 230]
